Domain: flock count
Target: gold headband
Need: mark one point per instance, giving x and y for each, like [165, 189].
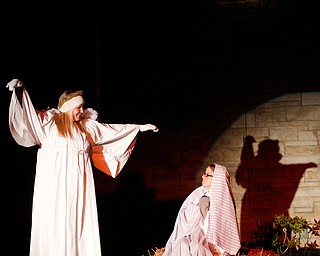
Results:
[69, 97]
[71, 101]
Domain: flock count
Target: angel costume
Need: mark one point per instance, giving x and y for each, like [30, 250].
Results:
[206, 217]
[64, 212]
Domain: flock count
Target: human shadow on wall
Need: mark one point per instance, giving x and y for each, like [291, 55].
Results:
[270, 186]
[126, 217]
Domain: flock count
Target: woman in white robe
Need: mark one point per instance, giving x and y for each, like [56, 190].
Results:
[64, 211]
[206, 224]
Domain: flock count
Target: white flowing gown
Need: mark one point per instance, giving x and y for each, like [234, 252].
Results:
[64, 214]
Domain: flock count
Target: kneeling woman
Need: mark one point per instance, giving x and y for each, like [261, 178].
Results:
[206, 224]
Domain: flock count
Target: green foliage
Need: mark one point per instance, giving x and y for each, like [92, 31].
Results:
[285, 234]
[288, 233]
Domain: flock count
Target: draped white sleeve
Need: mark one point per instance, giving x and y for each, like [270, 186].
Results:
[112, 145]
[26, 124]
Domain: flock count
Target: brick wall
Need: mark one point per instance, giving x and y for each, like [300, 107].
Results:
[281, 174]
[269, 143]
[209, 91]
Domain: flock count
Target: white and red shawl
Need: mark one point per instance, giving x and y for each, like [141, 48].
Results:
[222, 229]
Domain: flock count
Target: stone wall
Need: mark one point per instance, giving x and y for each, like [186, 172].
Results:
[218, 82]
[210, 91]
[270, 145]
[281, 173]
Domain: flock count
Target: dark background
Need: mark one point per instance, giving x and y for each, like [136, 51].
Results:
[142, 62]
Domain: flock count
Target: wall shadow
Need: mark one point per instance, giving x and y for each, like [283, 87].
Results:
[270, 186]
[131, 221]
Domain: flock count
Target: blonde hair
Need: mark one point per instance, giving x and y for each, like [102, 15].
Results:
[64, 120]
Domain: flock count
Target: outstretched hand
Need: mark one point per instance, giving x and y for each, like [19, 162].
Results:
[147, 127]
[13, 84]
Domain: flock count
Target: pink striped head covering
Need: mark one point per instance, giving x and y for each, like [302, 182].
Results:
[223, 227]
